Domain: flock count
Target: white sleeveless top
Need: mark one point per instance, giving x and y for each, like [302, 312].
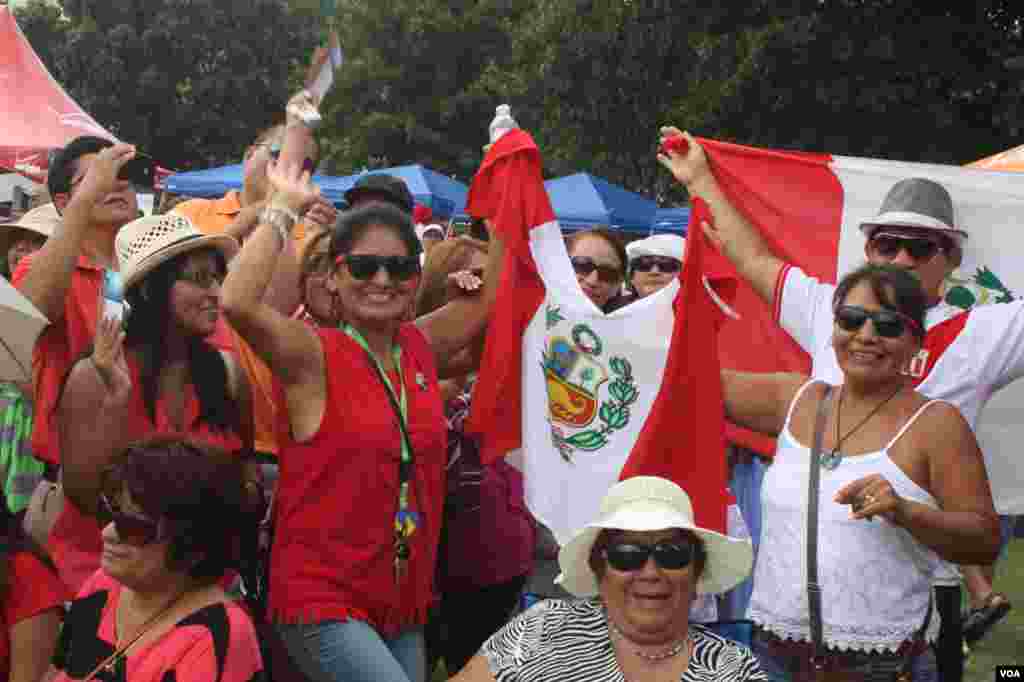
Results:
[875, 577]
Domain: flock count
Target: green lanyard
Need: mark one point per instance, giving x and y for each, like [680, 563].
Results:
[406, 521]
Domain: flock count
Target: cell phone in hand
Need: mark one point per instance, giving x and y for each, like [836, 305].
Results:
[140, 171]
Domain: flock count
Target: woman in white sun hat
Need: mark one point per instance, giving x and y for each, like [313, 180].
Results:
[157, 372]
[654, 262]
[639, 566]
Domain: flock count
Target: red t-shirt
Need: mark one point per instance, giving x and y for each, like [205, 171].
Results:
[217, 642]
[32, 588]
[333, 555]
[64, 341]
[75, 543]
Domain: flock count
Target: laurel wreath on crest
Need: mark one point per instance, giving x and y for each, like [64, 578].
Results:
[614, 413]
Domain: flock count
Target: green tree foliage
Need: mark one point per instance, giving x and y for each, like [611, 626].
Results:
[190, 81]
[43, 26]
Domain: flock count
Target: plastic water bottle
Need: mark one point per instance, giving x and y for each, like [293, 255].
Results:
[502, 123]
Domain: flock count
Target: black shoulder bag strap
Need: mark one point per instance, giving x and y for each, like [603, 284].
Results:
[813, 588]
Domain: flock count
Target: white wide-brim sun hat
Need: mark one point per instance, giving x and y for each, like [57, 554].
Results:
[145, 243]
[649, 503]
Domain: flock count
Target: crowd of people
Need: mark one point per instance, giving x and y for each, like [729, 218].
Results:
[242, 455]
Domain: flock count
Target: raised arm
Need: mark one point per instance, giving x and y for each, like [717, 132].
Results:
[731, 233]
[457, 324]
[47, 281]
[965, 528]
[93, 416]
[759, 401]
[289, 347]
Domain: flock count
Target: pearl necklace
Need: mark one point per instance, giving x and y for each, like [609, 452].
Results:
[671, 652]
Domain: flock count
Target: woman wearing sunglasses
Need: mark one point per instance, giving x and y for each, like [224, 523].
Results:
[654, 262]
[638, 567]
[599, 259]
[154, 611]
[361, 487]
[31, 603]
[158, 372]
[902, 483]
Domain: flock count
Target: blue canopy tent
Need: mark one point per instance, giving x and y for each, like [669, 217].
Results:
[671, 220]
[442, 194]
[582, 200]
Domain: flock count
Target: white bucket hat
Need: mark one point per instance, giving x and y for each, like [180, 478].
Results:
[646, 503]
[42, 220]
[668, 245]
[145, 243]
[920, 203]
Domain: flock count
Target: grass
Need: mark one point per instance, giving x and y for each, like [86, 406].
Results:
[1004, 644]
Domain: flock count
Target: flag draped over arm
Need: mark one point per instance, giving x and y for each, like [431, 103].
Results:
[582, 393]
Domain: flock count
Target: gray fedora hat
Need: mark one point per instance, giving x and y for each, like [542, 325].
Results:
[920, 203]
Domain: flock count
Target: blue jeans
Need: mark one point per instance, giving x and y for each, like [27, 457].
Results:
[747, 476]
[352, 651]
[924, 668]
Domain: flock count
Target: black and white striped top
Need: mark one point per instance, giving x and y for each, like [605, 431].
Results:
[569, 640]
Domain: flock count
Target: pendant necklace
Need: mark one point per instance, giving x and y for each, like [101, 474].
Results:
[832, 459]
[658, 657]
[115, 663]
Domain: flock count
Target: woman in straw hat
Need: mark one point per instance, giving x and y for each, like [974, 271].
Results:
[901, 483]
[26, 235]
[640, 565]
[155, 373]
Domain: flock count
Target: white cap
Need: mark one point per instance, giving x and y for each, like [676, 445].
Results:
[422, 229]
[502, 123]
[669, 245]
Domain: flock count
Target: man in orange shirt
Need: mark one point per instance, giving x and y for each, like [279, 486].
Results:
[238, 214]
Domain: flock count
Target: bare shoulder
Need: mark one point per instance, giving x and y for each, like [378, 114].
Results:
[941, 425]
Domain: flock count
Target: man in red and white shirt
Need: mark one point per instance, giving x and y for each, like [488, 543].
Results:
[967, 356]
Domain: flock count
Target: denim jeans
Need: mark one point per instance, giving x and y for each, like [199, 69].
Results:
[924, 668]
[747, 477]
[352, 651]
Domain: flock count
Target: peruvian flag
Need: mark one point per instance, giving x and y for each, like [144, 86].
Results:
[809, 208]
[587, 397]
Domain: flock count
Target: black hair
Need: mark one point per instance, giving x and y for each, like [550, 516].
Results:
[62, 165]
[895, 288]
[353, 224]
[198, 491]
[149, 302]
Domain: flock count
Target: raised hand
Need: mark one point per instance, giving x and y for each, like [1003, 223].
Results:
[109, 359]
[689, 167]
[101, 178]
[294, 188]
[321, 214]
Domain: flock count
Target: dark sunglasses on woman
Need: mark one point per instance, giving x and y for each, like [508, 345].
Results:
[584, 265]
[888, 323]
[365, 266]
[919, 248]
[647, 263]
[132, 529]
[627, 556]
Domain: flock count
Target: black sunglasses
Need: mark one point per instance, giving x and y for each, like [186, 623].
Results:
[648, 263]
[918, 248]
[274, 152]
[888, 323]
[132, 529]
[584, 265]
[362, 267]
[672, 556]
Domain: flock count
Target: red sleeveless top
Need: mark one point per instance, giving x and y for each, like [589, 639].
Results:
[333, 553]
[75, 544]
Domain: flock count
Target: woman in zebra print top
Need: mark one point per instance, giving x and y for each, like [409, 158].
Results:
[645, 561]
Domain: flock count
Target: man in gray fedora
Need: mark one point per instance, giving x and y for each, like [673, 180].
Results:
[982, 349]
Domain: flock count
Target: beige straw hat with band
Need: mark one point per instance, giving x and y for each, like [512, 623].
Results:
[145, 243]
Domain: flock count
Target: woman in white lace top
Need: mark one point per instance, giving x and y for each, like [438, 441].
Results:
[902, 483]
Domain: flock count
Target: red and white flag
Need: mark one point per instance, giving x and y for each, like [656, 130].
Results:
[809, 207]
[326, 60]
[590, 397]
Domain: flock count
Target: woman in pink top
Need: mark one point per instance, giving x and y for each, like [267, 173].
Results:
[361, 486]
[154, 611]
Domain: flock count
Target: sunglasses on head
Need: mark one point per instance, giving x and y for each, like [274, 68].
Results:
[131, 529]
[362, 267]
[647, 263]
[584, 265]
[627, 556]
[919, 248]
[274, 152]
[888, 323]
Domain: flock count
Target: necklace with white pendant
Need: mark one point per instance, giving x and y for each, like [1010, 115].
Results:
[831, 460]
[658, 657]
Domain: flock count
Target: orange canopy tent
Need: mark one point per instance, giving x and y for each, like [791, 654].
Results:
[36, 115]
[1010, 160]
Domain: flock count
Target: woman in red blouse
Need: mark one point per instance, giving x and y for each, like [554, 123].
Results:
[31, 604]
[361, 488]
